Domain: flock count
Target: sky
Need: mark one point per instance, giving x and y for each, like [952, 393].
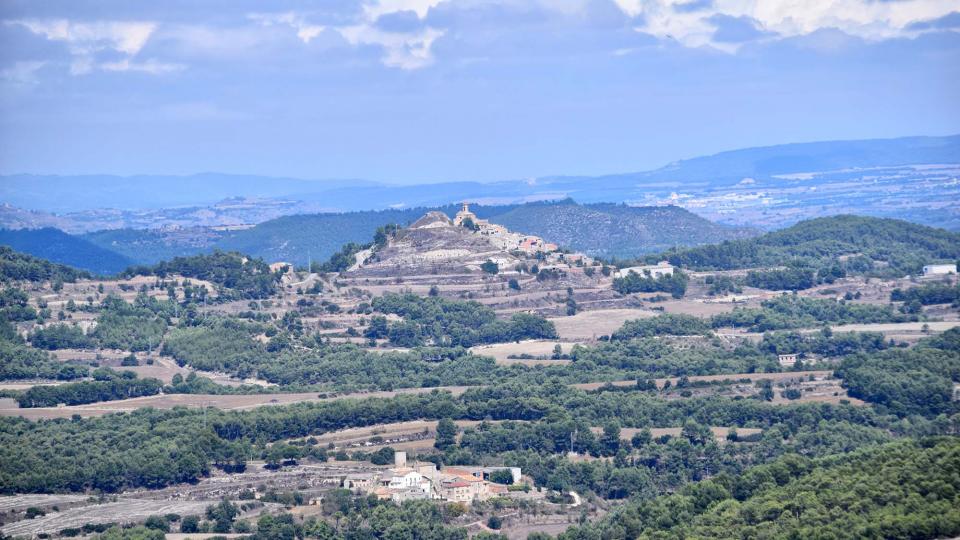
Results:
[440, 90]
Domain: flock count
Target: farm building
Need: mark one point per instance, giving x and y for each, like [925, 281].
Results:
[662, 268]
[788, 359]
[423, 481]
[939, 269]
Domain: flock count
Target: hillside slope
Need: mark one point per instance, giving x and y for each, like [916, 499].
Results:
[57, 246]
[615, 230]
[900, 247]
[608, 230]
[16, 266]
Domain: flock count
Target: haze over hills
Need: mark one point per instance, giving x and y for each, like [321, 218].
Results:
[912, 178]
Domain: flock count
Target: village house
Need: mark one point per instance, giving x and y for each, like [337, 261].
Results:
[423, 481]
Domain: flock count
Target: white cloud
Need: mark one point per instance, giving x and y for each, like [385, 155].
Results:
[408, 50]
[305, 30]
[868, 19]
[151, 66]
[403, 50]
[377, 8]
[22, 73]
[86, 39]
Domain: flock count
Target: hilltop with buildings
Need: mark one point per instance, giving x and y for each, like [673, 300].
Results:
[437, 245]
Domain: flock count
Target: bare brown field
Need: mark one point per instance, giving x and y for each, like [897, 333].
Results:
[910, 327]
[501, 352]
[910, 331]
[162, 368]
[394, 435]
[700, 308]
[26, 385]
[17, 503]
[226, 402]
[90, 354]
[124, 511]
[589, 325]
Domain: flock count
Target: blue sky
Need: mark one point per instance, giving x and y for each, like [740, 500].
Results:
[430, 90]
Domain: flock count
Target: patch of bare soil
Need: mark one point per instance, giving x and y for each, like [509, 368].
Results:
[590, 325]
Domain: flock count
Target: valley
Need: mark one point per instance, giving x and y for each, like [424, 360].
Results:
[461, 345]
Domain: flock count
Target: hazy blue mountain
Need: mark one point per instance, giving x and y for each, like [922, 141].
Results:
[53, 193]
[770, 161]
[57, 246]
[701, 174]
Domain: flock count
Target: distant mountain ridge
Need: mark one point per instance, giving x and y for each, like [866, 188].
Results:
[700, 182]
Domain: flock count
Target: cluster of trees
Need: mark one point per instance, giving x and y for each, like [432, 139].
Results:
[722, 285]
[18, 361]
[136, 326]
[16, 266]
[219, 344]
[792, 311]
[824, 343]
[675, 283]
[341, 260]
[346, 256]
[107, 385]
[230, 346]
[644, 358]
[665, 324]
[240, 275]
[900, 490]
[61, 336]
[451, 322]
[14, 305]
[908, 381]
[929, 294]
[901, 247]
[787, 279]
[132, 327]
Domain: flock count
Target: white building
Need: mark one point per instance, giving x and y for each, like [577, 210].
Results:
[939, 269]
[662, 268]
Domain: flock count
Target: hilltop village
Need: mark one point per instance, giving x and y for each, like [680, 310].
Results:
[456, 375]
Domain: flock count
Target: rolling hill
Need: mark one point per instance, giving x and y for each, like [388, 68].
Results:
[604, 230]
[872, 245]
[57, 246]
[615, 230]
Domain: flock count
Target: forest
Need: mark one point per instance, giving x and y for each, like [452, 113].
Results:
[237, 274]
[872, 246]
[17, 266]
